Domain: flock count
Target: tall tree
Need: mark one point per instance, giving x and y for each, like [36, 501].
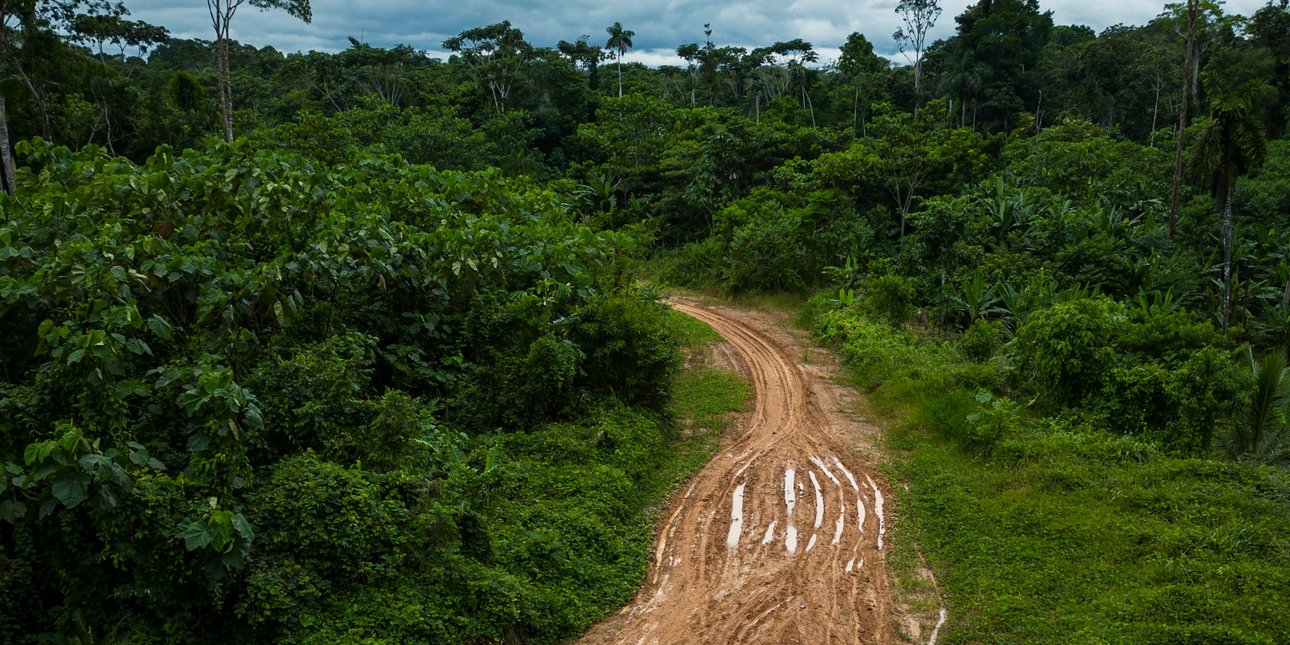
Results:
[7, 165]
[1188, 66]
[999, 41]
[919, 16]
[865, 70]
[494, 54]
[31, 33]
[620, 40]
[585, 54]
[221, 13]
[1230, 144]
[1269, 28]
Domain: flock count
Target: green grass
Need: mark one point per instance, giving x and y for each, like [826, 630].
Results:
[1068, 534]
[695, 336]
[703, 402]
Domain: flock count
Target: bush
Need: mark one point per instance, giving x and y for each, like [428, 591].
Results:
[630, 347]
[1067, 351]
[766, 253]
[697, 265]
[891, 297]
[982, 339]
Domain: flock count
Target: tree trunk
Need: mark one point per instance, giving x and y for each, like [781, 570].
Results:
[1227, 254]
[620, 74]
[855, 109]
[42, 105]
[918, 79]
[1155, 109]
[806, 98]
[6, 154]
[1039, 112]
[1182, 116]
[225, 86]
[107, 122]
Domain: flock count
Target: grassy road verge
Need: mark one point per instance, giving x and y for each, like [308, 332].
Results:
[1046, 530]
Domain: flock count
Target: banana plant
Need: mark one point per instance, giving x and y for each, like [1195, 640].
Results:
[977, 299]
[1157, 303]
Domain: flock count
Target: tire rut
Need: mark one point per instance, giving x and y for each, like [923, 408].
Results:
[779, 538]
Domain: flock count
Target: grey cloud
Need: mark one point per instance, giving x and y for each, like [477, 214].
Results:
[660, 25]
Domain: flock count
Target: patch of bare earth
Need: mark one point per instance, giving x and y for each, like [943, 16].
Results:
[782, 537]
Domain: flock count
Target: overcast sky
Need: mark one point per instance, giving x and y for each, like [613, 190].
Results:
[660, 25]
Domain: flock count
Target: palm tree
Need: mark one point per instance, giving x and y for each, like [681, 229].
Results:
[1230, 144]
[1263, 433]
[621, 40]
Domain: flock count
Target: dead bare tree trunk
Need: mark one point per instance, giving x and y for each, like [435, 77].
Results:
[221, 14]
[42, 105]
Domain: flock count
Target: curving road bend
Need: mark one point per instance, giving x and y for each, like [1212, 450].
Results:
[779, 539]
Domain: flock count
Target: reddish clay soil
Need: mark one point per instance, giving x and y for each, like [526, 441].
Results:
[781, 538]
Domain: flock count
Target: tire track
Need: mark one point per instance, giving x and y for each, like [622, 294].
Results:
[762, 547]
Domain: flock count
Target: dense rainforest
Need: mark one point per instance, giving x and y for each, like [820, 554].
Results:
[367, 346]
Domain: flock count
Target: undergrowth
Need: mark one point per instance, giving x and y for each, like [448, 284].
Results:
[1048, 528]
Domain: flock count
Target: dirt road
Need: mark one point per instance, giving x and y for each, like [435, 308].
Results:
[781, 538]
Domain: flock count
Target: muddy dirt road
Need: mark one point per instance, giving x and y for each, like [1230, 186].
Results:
[781, 537]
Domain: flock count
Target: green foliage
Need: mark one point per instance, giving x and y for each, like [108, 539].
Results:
[1159, 375]
[764, 253]
[1179, 407]
[1261, 434]
[1066, 350]
[1070, 529]
[891, 297]
[310, 301]
[982, 339]
[267, 394]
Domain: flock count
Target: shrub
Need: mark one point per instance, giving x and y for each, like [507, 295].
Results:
[630, 349]
[697, 264]
[766, 253]
[1067, 350]
[982, 339]
[891, 297]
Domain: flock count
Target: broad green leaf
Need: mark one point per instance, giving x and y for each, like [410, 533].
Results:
[70, 488]
[12, 510]
[195, 536]
[160, 327]
[243, 528]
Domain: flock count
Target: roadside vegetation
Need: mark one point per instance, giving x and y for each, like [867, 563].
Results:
[1065, 524]
[418, 406]
[334, 347]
